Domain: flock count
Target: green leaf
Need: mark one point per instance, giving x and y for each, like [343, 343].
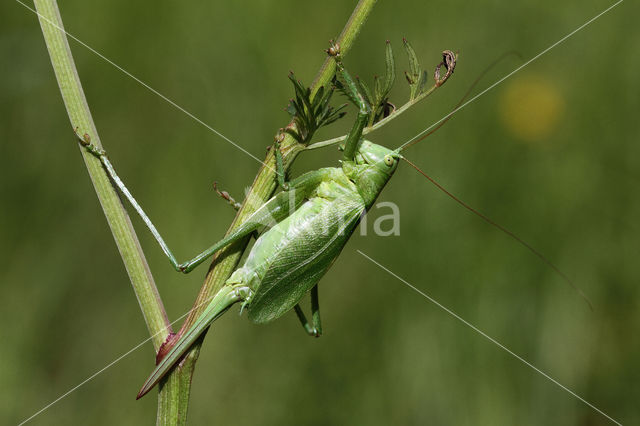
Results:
[341, 87]
[301, 93]
[390, 73]
[424, 77]
[364, 91]
[377, 90]
[309, 115]
[415, 72]
[414, 64]
[321, 102]
[335, 115]
[291, 108]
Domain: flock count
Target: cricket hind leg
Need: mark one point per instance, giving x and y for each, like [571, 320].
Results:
[314, 329]
[185, 267]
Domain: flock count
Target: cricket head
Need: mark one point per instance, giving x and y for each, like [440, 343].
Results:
[372, 167]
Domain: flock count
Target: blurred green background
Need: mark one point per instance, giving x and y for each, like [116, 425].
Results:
[551, 153]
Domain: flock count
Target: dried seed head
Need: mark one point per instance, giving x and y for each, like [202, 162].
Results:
[449, 63]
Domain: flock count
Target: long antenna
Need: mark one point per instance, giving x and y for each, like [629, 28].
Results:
[506, 231]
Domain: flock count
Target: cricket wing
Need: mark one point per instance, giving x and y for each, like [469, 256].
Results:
[307, 245]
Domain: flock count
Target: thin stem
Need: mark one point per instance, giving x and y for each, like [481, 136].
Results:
[121, 228]
[264, 185]
[345, 41]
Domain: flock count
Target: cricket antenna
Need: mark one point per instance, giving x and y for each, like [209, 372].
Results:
[464, 97]
[506, 231]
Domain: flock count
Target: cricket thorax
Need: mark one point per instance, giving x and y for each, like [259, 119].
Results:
[371, 169]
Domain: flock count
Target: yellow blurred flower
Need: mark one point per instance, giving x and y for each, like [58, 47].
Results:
[530, 107]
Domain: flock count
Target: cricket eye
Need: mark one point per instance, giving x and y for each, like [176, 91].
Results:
[388, 160]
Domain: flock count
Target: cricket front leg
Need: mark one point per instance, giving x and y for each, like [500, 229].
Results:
[364, 110]
[249, 227]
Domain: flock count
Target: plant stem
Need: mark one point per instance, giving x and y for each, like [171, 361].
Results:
[263, 187]
[117, 217]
